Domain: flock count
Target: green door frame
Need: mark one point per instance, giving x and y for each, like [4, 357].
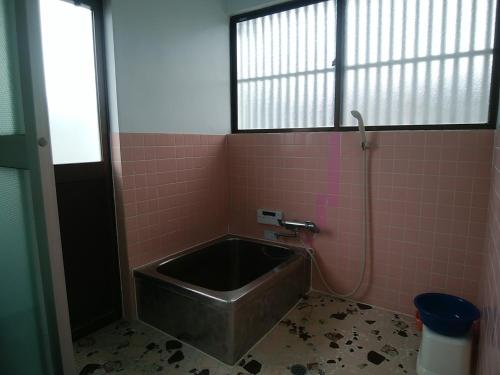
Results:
[31, 152]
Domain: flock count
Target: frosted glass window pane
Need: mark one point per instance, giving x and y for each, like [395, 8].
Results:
[10, 100]
[70, 79]
[284, 69]
[417, 62]
[19, 313]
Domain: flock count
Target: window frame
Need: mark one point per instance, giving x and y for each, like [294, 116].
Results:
[339, 75]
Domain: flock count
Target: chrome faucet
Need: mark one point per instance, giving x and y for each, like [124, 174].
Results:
[296, 225]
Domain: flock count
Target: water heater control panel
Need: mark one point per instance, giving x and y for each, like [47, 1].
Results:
[270, 217]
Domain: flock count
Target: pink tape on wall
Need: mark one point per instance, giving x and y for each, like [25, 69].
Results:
[329, 197]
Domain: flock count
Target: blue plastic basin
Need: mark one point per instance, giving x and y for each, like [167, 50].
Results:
[446, 314]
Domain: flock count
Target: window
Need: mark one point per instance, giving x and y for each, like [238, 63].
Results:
[418, 62]
[414, 63]
[70, 80]
[284, 65]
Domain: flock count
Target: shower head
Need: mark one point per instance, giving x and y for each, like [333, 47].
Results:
[361, 127]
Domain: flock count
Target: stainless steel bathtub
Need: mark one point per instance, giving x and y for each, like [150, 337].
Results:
[224, 295]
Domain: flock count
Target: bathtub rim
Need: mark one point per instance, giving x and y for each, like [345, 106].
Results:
[149, 271]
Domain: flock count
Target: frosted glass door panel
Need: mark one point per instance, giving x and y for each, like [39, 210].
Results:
[418, 62]
[28, 336]
[10, 99]
[20, 341]
[70, 78]
[284, 69]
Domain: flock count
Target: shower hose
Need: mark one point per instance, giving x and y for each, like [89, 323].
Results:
[364, 252]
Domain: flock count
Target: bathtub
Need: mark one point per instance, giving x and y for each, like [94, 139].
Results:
[224, 295]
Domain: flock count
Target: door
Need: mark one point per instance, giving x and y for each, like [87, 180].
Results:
[34, 336]
[76, 96]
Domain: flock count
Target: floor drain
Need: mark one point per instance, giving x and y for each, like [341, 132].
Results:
[298, 370]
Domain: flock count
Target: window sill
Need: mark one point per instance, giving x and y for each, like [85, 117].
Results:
[371, 128]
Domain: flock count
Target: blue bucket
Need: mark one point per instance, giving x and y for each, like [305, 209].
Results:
[446, 314]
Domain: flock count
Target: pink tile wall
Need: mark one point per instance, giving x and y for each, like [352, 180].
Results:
[429, 204]
[171, 193]
[489, 363]
[174, 192]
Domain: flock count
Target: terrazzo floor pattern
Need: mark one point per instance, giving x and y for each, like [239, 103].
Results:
[321, 335]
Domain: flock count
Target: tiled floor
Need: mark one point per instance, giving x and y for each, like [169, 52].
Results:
[321, 335]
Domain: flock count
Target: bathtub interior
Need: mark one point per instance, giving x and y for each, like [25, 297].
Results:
[226, 265]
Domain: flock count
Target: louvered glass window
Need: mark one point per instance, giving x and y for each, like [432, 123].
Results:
[418, 62]
[411, 62]
[284, 68]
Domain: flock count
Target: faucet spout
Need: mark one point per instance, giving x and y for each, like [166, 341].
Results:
[296, 225]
